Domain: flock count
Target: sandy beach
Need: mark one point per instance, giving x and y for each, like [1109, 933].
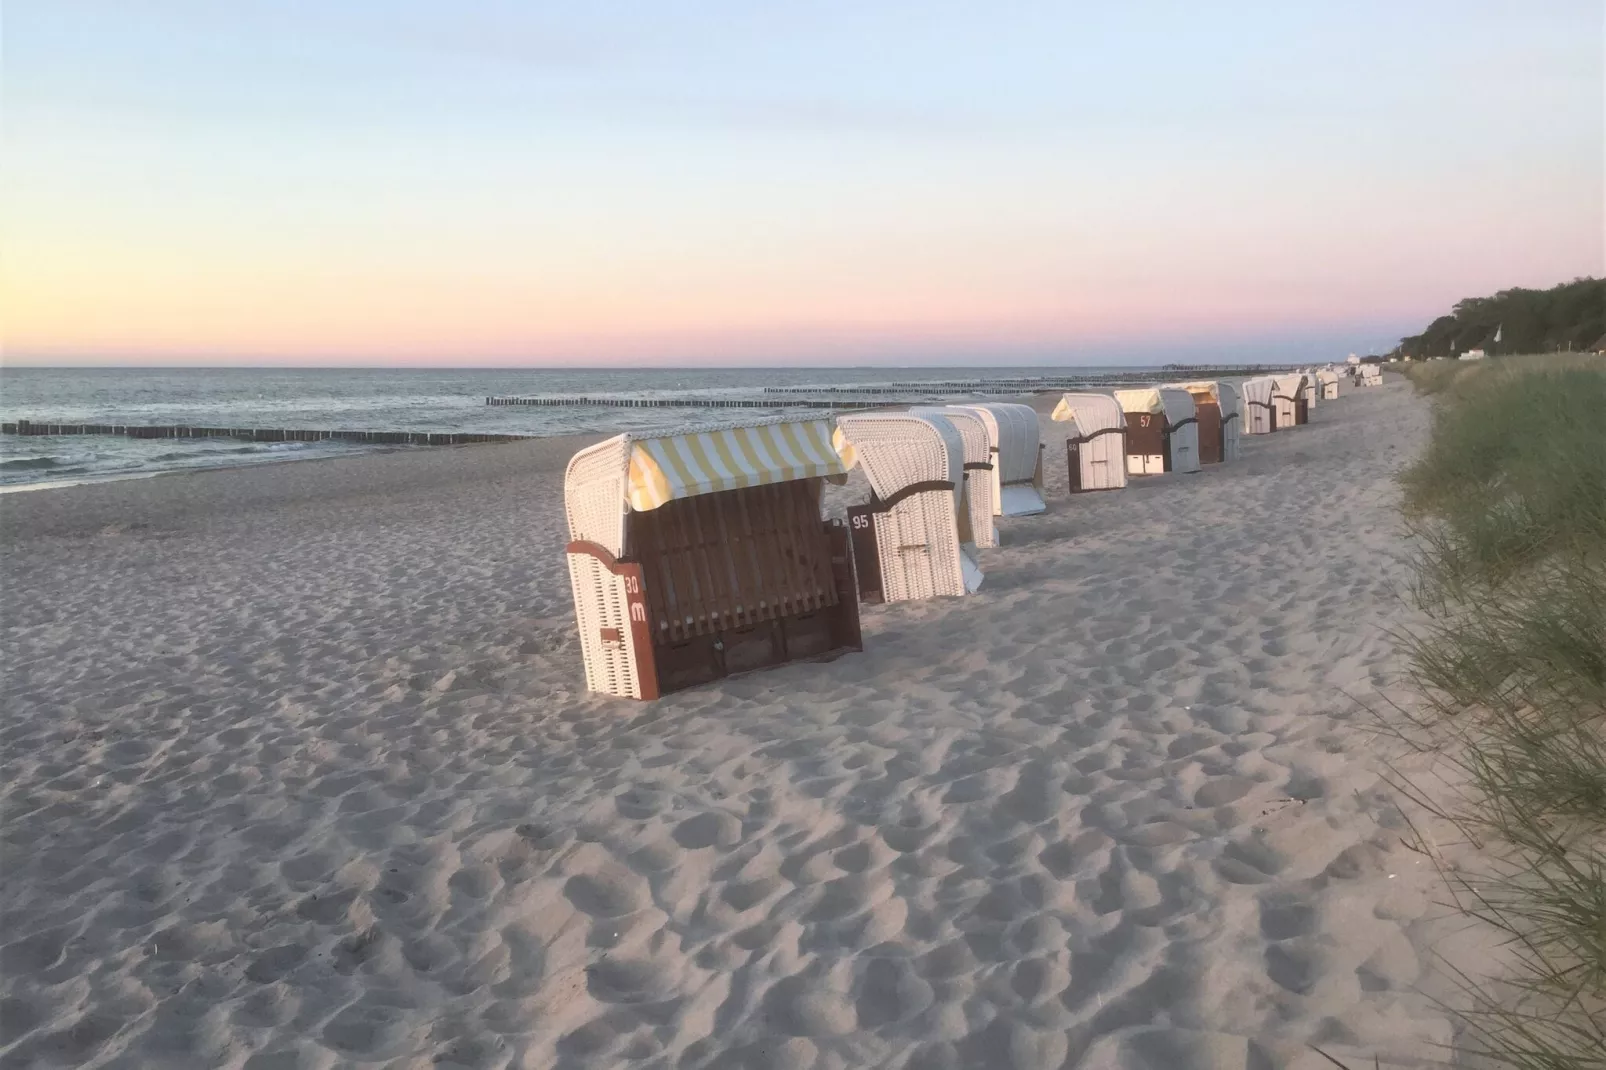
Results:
[299, 770]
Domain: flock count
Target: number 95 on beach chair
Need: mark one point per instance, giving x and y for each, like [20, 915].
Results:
[913, 540]
[701, 554]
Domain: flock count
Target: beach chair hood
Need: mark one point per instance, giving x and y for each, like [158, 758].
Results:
[642, 472]
[1016, 444]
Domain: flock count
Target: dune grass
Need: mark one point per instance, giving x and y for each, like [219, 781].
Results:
[1508, 507]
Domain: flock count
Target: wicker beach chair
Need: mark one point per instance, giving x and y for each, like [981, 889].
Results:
[1260, 412]
[701, 554]
[1327, 383]
[913, 539]
[1017, 452]
[1095, 450]
[1162, 430]
[1288, 396]
[979, 469]
[1216, 408]
[1232, 421]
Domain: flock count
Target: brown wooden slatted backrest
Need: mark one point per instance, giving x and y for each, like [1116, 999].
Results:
[732, 559]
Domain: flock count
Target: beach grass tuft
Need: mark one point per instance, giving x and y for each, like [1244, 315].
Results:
[1508, 509]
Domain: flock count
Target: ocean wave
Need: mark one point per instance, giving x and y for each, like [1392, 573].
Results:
[28, 462]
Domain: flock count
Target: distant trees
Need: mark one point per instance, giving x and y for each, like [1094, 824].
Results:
[1569, 316]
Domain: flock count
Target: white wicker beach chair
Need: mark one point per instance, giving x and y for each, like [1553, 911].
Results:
[979, 469]
[1327, 381]
[1216, 409]
[1260, 412]
[1017, 450]
[1288, 396]
[1313, 392]
[1232, 421]
[911, 541]
[1095, 450]
[1371, 375]
[1162, 430]
[697, 555]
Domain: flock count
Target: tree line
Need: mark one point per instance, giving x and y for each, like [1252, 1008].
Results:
[1571, 316]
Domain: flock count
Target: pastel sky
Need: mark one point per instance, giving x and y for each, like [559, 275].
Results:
[914, 181]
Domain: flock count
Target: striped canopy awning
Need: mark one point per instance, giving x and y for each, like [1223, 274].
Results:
[663, 468]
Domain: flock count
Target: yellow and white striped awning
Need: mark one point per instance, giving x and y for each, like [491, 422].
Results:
[683, 466]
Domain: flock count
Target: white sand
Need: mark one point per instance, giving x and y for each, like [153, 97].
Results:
[299, 771]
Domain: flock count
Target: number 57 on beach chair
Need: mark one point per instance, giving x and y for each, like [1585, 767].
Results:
[701, 554]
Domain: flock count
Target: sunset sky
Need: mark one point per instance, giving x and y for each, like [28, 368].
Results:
[478, 183]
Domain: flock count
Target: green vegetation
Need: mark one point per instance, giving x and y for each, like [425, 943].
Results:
[1508, 505]
[1571, 316]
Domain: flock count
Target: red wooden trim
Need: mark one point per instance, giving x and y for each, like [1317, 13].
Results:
[640, 629]
[596, 550]
[635, 609]
[1096, 434]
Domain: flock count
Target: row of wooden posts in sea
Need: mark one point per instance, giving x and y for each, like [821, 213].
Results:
[868, 396]
[258, 434]
[1030, 384]
[610, 402]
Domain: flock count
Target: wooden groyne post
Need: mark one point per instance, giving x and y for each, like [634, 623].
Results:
[261, 434]
[683, 403]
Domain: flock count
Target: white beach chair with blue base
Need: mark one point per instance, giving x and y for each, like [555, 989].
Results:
[1017, 456]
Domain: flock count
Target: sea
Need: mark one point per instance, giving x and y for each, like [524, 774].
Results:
[377, 400]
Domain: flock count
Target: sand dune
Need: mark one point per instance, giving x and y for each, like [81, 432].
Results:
[300, 771]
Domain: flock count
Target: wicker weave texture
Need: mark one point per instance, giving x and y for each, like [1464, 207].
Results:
[594, 493]
[600, 603]
[1016, 440]
[980, 484]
